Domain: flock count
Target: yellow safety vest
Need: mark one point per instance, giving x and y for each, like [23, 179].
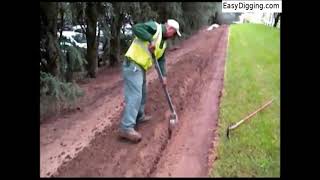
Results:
[138, 50]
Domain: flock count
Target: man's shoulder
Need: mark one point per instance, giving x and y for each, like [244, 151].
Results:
[151, 24]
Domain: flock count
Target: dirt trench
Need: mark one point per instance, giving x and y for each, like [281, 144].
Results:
[195, 79]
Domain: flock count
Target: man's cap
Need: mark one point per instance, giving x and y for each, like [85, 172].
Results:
[173, 23]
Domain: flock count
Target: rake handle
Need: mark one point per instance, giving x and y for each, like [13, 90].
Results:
[249, 116]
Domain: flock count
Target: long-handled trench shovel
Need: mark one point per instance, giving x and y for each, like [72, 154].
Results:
[231, 127]
[173, 119]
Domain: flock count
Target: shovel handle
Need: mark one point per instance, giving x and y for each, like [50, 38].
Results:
[161, 80]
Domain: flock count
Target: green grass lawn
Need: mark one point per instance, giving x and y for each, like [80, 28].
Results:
[252, 78]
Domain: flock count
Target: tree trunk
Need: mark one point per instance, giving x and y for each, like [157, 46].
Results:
[106, 51]
[49, 11]
[91, 39]
[62, 21]
[98, 44]
[276, 20]
[115, 35]
[106, 43]
[69, 74]
[98, 38]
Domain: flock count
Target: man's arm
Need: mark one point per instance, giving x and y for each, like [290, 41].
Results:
[145, 31]
[162, 64]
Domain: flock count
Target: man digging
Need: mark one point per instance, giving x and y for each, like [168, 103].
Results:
[150, 37]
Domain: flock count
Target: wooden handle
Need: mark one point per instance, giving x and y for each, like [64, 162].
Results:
[249, 116]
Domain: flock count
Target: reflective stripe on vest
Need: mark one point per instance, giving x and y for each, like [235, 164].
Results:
[139, 52]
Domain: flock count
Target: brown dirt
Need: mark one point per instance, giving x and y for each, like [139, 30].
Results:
[85, 143]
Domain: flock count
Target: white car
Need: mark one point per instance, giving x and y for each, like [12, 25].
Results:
[127, 29]
[71, 35]
[79, 30]
[79, 39]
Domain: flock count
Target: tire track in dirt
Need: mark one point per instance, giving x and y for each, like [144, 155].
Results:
[107, 155]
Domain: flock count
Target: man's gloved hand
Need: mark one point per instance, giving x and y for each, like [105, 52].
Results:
[151, 47]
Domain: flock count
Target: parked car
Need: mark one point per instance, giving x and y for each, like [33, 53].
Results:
[78, 29]
[72, 36]
[127, 29]
[79, 40]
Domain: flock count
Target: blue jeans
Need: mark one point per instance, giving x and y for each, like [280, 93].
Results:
[135, 90]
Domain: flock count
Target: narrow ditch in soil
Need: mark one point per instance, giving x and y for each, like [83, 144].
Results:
[204, 68]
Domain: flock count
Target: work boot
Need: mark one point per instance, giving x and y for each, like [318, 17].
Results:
[130, 134]
[144, 119]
